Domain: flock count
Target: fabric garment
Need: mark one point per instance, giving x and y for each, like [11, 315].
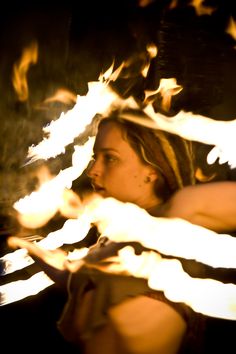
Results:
[112, 289]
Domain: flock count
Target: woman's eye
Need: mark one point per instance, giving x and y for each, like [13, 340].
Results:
[110, 158]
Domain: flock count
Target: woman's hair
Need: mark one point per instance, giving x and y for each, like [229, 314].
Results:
[170, 155]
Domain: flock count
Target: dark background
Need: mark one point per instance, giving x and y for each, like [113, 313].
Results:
[77, 41]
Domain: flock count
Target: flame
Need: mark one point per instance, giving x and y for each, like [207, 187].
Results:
[20, 69]
[143, 60]
[72, 231]
[144, 3]
[196, 128]
[135, 224]
[131, 222]
[152, 53]
[152, 50]
[40, 206]
[173, 4]
[39, 281]
[62, 95]
[207, 296]
[202, 9]
[231, 28]
[69, 125]
[71, 204]
[25, 288]
[167, 88]
[200, 176]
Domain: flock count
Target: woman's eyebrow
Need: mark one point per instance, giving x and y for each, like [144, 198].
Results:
[108, 149]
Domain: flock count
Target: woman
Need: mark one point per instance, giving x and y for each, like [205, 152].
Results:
[118, 313]
[135, 164]
[144, 167]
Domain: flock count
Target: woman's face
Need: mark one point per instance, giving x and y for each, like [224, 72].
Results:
[117, 170]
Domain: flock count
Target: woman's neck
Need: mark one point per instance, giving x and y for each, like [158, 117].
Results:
[157, 209]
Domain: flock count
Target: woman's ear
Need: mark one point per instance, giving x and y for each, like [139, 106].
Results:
[152, 175]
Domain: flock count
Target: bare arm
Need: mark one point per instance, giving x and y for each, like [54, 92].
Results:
[50, 261]
[212, 205]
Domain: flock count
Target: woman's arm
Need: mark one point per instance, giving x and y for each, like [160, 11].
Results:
[212, 205]
[50, 261]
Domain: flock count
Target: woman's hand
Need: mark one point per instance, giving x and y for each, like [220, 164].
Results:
[50, 261]
[54, 258]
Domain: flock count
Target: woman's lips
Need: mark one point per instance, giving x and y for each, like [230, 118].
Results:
[97, 188]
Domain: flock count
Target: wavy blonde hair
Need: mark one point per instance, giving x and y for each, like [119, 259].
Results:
[170, 155]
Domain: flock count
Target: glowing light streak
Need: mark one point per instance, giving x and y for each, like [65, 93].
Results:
[73, 230]
[196, 128]
[62, 95]
[167, 88]
[46, 201]
[25, 288]
[231, 28]
[69, 125]
[20, 289]
[13, 261]
[207, 296]
[20, 69]
[133, 223]
[202, 9]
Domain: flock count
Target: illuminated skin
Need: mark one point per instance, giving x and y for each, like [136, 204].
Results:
[211, 205]
[118, 172]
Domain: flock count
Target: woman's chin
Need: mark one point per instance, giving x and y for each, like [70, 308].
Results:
[103, 193]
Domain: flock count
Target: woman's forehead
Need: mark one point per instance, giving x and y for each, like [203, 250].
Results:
[111, 136]
[109, 131]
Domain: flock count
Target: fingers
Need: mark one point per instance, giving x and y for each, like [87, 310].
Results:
[17, 242]
[32, 248]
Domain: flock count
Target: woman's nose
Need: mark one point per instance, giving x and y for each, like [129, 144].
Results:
[92, 169]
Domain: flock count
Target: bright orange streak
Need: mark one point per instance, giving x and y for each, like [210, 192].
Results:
[20, 69]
